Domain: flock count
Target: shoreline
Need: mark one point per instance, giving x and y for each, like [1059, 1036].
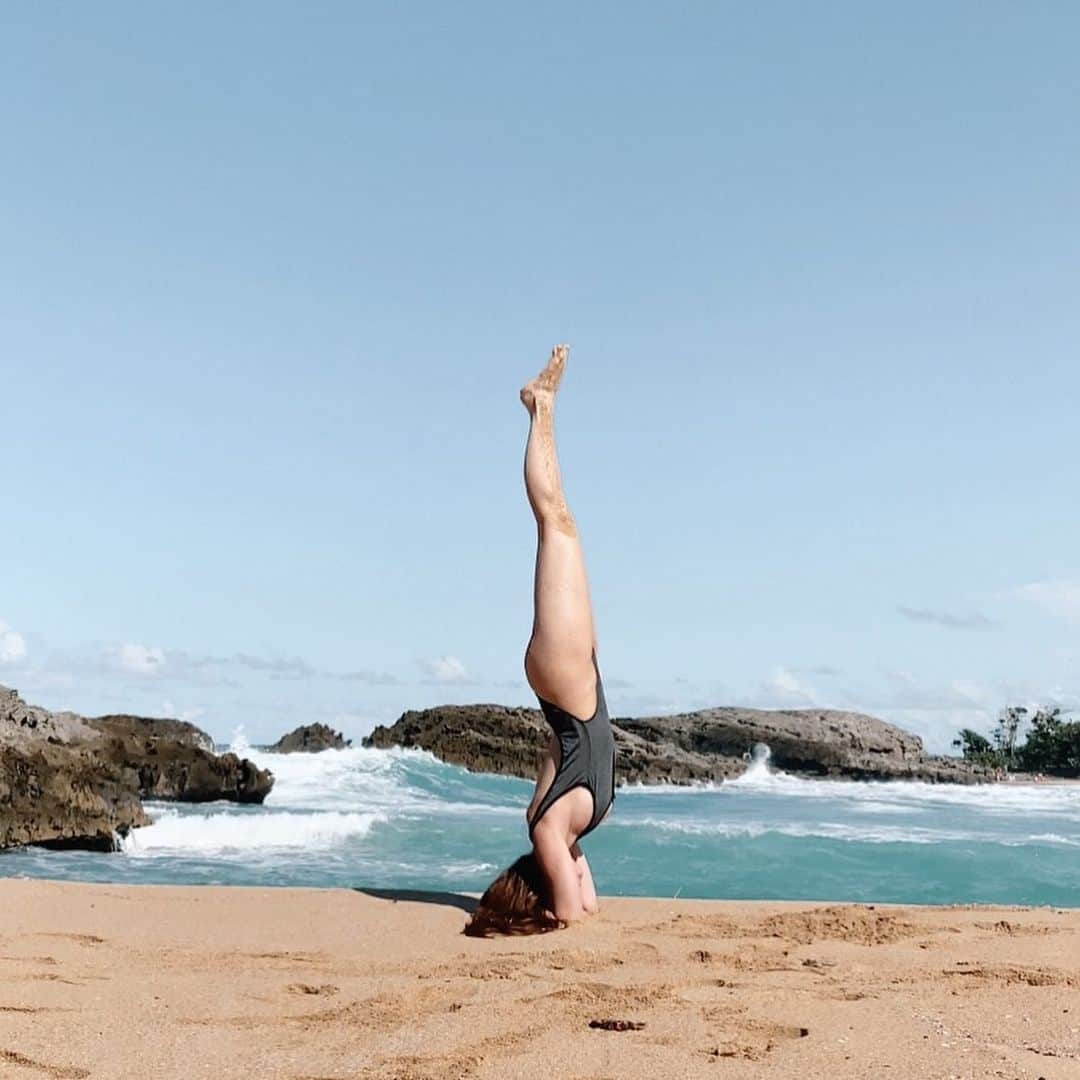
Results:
[125, 981]
[406, 894]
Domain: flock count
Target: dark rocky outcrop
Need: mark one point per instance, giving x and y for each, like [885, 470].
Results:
[61, 796]
[66, 781]
[180, 731]
[682, 749]
[310, 739]
[172, 763]
[808, 742]
[482, 738]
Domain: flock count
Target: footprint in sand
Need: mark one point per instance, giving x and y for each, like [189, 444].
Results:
[58, 1072]
[46, 976]
[756, 1041]
[82, 939]
[603, 995]
[1013, 974]
[1003, 926]
[291, 957]
[859, 925]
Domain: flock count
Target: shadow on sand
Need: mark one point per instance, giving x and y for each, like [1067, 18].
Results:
[424, 896]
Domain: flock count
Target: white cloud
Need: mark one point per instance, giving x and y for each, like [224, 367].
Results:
[444, 669]
[367, 676]
[277, 667]
[140, 659]
[782, 688]
[1057, 597]
[12, 645]
[950, 620]
[905, 691]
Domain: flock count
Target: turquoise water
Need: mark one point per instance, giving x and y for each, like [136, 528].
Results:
[401, 819]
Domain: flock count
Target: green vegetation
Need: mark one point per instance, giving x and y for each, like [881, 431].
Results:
[1051, 744]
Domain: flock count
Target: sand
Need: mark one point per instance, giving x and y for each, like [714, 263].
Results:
[140, 982]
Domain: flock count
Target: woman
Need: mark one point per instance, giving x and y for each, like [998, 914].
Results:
[552, 886]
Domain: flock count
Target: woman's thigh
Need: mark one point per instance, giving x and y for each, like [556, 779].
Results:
[558, 661]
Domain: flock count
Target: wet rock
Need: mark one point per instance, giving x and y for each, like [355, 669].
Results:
[482, 738]
[170, 762]
[310, 739]
[69, 782]
[808, 742]
[710, 745]
[64, 797]
[181, 731]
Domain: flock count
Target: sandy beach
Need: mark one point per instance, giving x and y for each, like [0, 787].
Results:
[111, 981]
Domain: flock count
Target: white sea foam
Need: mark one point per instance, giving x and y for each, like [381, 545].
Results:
[394, 782]
[867, 834]
[453, 869]
[1055, 800]
[1054, 838]
[321, 800]
[239, 744]
[223, 831]
[870, 807]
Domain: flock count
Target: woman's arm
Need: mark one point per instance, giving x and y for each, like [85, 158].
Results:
[561, 871]
[588, 890]
[546, 777]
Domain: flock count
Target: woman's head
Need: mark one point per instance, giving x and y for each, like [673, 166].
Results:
[514, 903]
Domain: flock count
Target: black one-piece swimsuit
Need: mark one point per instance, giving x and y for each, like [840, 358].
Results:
[587, 757]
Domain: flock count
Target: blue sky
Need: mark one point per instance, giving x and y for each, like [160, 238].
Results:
[272, 276]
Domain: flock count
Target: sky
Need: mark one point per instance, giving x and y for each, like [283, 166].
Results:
[272, 274]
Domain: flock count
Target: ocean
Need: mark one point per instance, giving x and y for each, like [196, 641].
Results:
[401, 819]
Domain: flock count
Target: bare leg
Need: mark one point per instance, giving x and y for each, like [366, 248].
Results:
[558, 661]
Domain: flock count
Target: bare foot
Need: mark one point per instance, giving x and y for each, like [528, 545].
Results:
[547, 382]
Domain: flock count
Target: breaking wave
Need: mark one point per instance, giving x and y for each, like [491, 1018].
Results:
[222, 832]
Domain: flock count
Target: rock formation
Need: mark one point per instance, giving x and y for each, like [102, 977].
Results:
[66, 781]
[61, 796]
[310, 739]
[171, 762]
[808, 742]
[482, 738]
[181, 731]
[683, 749]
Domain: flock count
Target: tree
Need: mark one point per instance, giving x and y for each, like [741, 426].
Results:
[979, 750]
[1052, 744]
[1005, 734]
[972, 744]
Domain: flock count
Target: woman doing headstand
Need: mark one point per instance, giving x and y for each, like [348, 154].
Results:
[552, 885]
